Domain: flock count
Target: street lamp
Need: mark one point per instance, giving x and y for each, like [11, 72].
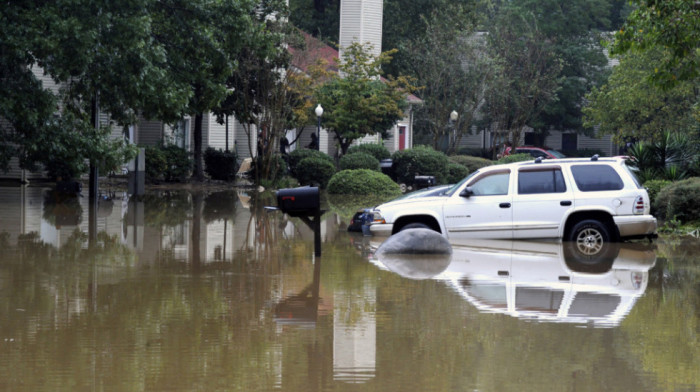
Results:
[319, 113]
[453, 119]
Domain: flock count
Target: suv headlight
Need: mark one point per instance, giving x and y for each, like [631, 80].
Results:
[378, 218]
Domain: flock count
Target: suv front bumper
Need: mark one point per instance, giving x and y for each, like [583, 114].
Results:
[635, 225]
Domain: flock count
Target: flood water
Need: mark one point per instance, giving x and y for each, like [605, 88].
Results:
[209, 291]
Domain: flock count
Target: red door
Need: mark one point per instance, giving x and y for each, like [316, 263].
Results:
[402, 137]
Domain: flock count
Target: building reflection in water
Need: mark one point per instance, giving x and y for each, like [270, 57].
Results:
[540, 281]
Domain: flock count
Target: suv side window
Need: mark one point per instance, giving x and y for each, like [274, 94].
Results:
[590, 178]
[492, 184]
[541, 181]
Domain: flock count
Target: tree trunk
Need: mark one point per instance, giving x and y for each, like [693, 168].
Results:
[198, 172]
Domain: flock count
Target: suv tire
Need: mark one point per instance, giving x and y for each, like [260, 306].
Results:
[591, 234]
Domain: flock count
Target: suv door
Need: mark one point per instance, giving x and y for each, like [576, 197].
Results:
[542, 200]
[486, 213]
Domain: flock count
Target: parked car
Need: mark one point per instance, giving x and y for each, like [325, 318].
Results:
[539, 152]
[590, 201]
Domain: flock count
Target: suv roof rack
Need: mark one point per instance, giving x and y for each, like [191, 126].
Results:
[594, 157]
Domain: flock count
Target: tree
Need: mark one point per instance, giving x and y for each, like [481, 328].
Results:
[357, 102]
[454, 68]
[673, 25]
[630, 108]
[528, 79]
[95, 51]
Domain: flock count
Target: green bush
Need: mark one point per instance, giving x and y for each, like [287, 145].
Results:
[679, 201]
[420, 161]
[515, 158]
[169, 163]
[220, 165]
[299, 154]
[653, 189]
[476, 152]
[376, 150]
[359, 160]
[363, 182]
[470, 162]
[456, 172]
[315, 170]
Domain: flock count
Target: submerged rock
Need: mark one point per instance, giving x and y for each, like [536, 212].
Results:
[415, 253]
[415, 241]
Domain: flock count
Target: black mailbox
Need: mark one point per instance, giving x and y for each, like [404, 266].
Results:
[299, 201]
[423, 181]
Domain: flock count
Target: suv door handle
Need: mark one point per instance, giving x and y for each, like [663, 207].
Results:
[504, 205]
[565, 203]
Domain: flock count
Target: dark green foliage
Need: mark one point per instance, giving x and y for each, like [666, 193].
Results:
[653, 189]
[359, 160]
[362, 182]
[376, 150]
[679, 201]
[221, 165]
[456, 172]
[297, 155]
[315, 171]
[472, 163]
[514, 158]
[156, 164]
[476, 152]
[673, 156]
[420, 160]
[167, 163]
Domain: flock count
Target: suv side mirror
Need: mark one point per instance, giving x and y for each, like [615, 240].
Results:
[467, 192]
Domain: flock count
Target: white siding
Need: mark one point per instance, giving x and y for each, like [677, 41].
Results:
[603, 143]
[361, 21]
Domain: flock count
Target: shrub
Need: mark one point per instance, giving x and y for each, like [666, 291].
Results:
[169, 163]
[220, 165]
[359, 160]
[363, 182]
[376, 150]
[299, 154]
[156, 164]
[315, 170]
[485, 153]
[456, 172]
[679, 201]
[653, 189]
[420, 160]
[515, 158]
[470, 162]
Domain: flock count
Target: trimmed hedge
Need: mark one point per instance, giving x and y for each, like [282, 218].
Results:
[470, 162]
[420, 161]
[456, 172]
[376, 150]
[359, 160]
[169, 163]
[315, 170]
[679, 201]
[220, 165]
[299, 154]
[362, 182]
[653, 189]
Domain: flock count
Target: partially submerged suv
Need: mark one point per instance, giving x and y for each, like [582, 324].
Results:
[588, 200]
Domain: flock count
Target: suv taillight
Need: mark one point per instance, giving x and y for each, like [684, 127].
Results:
[639, 205]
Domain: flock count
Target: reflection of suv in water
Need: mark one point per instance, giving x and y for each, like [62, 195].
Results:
[591, 201]
[541, 281]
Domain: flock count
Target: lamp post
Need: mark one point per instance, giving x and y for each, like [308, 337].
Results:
[319, 113]
[453, 119]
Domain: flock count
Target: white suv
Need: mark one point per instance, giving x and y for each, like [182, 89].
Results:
[587, 200]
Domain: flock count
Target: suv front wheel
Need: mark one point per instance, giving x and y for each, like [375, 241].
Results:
[589, 234]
